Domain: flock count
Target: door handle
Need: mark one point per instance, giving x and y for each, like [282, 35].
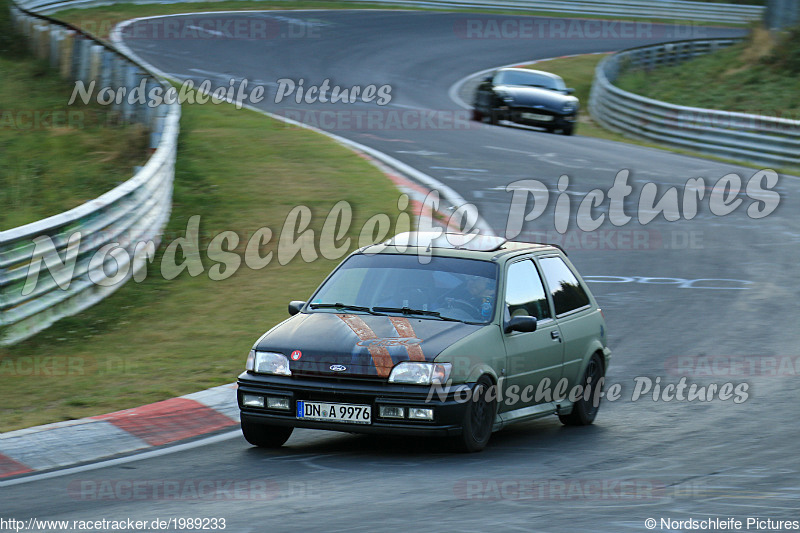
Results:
[555, 335]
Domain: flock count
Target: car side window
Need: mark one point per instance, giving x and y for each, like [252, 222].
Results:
[525, 293]
[568, 294]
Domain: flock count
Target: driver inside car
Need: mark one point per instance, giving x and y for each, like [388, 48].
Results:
[478, 293]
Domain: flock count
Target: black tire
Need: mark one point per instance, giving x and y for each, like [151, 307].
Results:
[477, 115]
[265, 436]
[584, 411]
[568, 130]
[478, 418]
[494, 119]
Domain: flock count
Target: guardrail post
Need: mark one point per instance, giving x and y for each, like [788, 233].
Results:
[106, 68]
[82, 60]
[157, 125]
[14, 16]
[149, 110]
[117, 80]
[129, 83]
[56, 36]
[75, 68]
[42, 49]
[95, 57]
[67, 51]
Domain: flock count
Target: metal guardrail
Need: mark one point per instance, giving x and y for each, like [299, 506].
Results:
[664, 9]
[134, 212]
[758, 139]
[782, 14]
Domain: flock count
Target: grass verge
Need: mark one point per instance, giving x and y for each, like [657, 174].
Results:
[758, 76]
[54, 157]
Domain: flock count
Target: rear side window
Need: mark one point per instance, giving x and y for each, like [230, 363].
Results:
[524, 291]
[568, 294]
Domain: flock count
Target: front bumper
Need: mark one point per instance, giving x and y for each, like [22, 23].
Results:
[448, 414]
[556, 120]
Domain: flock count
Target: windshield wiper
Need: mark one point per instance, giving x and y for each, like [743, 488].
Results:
[339, 305]
[408, 311]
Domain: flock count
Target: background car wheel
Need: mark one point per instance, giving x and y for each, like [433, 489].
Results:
[584, 411]
[478, 418]
[568, 130]
[265, 436]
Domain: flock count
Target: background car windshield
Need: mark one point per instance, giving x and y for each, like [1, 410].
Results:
[462, 289]
[516, 77]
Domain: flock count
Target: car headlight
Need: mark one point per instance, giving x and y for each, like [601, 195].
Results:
[268, 363]
[569, 107]
[420, 373]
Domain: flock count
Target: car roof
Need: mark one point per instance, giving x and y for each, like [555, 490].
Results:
[540, 72]
[441, 244]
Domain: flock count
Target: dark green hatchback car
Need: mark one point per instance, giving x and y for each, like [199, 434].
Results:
[431, 334]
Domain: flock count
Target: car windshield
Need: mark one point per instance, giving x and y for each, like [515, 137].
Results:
[528, 79]
[445, 288]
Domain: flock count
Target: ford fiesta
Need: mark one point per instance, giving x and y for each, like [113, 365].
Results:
[449, 335]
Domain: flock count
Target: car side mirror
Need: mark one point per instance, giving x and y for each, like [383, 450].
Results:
[525, 324]
[295, 306]
[488, 79]
[569, 90]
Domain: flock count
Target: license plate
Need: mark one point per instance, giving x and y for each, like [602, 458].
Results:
[536, 116]
[334, 412]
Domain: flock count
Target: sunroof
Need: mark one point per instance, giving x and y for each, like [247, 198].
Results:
[453, 241]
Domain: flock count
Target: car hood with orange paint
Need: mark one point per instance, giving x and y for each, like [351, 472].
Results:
[359, 345]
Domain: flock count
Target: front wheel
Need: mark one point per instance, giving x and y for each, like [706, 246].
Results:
[584, 410]
[478, 417]
[477, 115]
[265, 436]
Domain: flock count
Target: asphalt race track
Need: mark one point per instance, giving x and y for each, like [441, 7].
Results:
[712, 299]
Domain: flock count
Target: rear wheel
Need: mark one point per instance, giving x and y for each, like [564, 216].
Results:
[478, 417]
[494, 117]
[265, 436]
[584, 411]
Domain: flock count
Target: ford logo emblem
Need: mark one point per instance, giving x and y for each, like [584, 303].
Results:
[338, 368]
